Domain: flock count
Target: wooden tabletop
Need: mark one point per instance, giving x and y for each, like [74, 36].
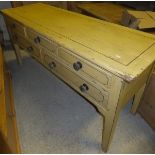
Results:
[120, 50]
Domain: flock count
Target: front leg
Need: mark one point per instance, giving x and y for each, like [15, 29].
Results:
[18, 53]
[137, 99]
[112, 114]
[109, 125]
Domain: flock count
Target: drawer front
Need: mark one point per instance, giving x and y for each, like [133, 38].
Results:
[34, 51]
[40, 40]
[20, 40]
[84, 69]
[91, 92]
[15, 26]
[28, 46]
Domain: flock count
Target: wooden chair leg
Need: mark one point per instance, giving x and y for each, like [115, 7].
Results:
[18, 54]
[137, 99]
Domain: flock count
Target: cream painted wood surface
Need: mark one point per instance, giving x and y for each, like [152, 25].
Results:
[87, 70]
[105, 63]
[93, 39]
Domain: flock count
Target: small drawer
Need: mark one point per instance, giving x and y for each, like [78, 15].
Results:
[23, 43]
[15, 26]
[83, 68]
[93, 93]
[40, 40]
[34, 51]
[20, 40]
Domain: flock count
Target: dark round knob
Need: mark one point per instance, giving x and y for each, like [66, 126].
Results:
[15, 37]
[77, 65]
[52, 65]
[37, 40]
[13, 26]
[30, 49]
[84, 88]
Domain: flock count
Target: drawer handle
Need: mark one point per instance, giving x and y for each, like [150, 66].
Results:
[52, 65]
[84, 88]
[77, 66]
[37, 40]
[30, 49]
[15, 37]
[13, 26]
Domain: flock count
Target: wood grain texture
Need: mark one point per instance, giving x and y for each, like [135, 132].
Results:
[9, 140]
[3, 118]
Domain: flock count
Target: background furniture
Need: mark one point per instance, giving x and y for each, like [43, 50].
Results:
[147, 107]
[9, 141]
[106, 11]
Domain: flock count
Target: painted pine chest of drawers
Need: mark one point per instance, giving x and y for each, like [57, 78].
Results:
[105, 63]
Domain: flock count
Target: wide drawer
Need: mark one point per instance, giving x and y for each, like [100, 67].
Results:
[84, 68]
[40, 40]
[15, 26]
[93, 93]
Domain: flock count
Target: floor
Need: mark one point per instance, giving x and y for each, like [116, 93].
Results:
[52, 118]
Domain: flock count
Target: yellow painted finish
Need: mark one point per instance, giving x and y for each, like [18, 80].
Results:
[114, 62]
[117, 49]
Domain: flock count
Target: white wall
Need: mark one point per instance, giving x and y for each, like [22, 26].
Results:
[4, 5]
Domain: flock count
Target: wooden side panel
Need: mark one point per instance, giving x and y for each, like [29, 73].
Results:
[12, 135]
[3, 125]
[9, 140]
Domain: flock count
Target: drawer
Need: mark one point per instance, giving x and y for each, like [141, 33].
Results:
[20, 40]
[93, 93]
[40, 40]
[34, 51]
[83, 68]
[28, 46]
[15, 26]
